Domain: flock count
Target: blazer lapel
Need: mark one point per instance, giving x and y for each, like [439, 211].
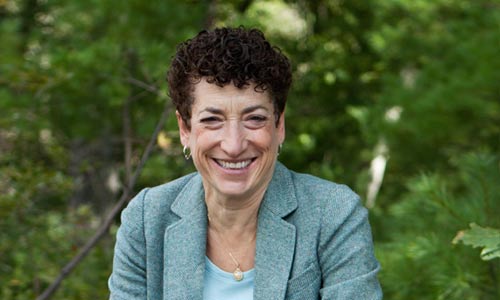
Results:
[275, 238]
[185, 244]
[185, 241]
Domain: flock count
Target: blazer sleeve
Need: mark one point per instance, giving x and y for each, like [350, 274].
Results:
[128, 277]
[346, 255]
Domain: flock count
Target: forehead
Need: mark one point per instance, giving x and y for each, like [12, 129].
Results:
[228, 97]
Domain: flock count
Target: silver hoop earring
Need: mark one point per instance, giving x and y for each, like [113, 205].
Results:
[187, 152]
[279, 149]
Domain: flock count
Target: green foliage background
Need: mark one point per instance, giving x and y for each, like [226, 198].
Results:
[414, 83]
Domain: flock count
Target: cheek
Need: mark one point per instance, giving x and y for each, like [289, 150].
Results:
[266, 140]
[201, 140]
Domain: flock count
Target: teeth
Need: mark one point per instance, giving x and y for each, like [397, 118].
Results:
[234, 165]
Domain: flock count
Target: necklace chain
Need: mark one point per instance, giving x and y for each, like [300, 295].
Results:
[237, 273]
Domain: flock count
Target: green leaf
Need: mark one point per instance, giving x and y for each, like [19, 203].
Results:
[477, 236]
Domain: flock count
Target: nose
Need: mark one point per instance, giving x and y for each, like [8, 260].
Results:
[234, 140]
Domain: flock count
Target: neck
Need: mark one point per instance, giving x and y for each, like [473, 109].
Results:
[234, 212]
[236, 215]
[232, 229]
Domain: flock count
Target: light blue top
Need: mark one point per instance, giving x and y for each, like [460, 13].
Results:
[220, 285]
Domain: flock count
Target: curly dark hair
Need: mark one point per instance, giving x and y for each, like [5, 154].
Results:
[228, 55]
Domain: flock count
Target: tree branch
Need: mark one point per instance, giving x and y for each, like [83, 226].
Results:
[127, 140]
[132, 60]
[103, 229]
[142, 84]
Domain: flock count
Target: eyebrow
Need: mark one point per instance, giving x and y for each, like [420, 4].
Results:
[254, 108]
[246, 110]
[212, 110]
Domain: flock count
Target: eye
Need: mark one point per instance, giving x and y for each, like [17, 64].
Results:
[258, 118]
[211, 121]
[255, 121]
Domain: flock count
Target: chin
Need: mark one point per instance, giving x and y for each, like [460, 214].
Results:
[233, 190]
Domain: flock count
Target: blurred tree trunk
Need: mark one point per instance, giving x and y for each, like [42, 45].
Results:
[28, 21]
[209, 21]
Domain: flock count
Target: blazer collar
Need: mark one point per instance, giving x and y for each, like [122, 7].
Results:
[185, 244]
[190, 198]
[275, 237]
[279, 198]
[185, 240]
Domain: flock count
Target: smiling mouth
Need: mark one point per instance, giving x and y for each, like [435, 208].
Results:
[234, 165]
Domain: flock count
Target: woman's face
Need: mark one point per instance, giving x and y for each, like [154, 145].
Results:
[233, 138]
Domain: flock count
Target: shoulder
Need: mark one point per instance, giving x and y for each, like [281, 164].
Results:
[329, 196]
[326, 208]
[162, 196]
[320, 207]
[154, 201]
[332, 226]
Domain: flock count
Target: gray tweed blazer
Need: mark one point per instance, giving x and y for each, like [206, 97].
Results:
[313, 242]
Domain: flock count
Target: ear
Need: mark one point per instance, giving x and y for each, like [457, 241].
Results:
[184, 130]
[281, 128]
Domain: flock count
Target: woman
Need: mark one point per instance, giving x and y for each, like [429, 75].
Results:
[243, 226]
